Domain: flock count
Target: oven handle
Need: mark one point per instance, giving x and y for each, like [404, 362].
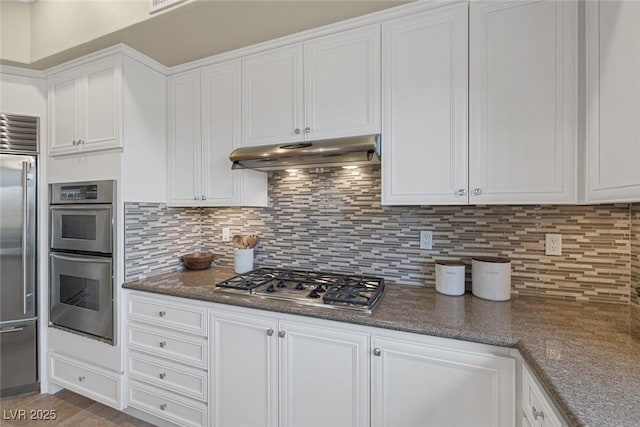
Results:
[87, 207]
[105, 260]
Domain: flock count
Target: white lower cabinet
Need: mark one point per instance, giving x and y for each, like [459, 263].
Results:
[312, 374]
[416, 383]
[96, 383]
[538, 410]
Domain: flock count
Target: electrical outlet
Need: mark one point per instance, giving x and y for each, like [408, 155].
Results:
[426, 240]
[226, 234]
[553, 244]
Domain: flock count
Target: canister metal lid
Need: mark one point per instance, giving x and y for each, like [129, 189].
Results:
[451, 262]
[497, 260]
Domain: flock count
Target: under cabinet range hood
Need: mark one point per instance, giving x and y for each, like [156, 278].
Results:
[354, 150]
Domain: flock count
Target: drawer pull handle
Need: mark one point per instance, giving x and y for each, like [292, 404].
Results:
[537, 413]
[162, 313]
[162, 375]
[163, 344]
[163, 406]
[81, 378]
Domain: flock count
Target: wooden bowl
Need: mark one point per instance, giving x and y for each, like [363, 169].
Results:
[198, 260]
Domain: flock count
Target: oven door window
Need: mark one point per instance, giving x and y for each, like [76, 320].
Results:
[80, 292]
[86, 228]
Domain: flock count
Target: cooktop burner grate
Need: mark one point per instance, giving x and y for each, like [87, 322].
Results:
[308, 287]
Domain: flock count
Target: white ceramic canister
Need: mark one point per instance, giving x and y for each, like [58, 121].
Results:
[242, 260]
[491, 278]
[450, 277]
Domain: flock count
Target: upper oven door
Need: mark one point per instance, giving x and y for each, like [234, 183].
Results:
[85, 228]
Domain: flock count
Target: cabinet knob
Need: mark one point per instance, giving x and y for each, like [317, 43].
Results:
[537, 414]
[196, 198]
[297, 131]
[163, 406]
[477, 191]
[462, 192]
[269, 332]
[162, 313]
[81, 378]
[281, 334]
[162, 375]
[81, 141]
[307, 130]
[204, 197]
[377, 351]
[163, 344]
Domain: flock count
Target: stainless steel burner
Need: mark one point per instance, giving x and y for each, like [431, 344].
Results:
[353, 292]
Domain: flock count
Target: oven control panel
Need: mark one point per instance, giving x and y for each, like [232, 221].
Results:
[78, 192]
[83, 192]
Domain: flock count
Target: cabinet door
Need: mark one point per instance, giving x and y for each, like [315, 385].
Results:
[421, 385]
[184, 145]
[342, 84]
[324, 377]
[244, 371]
[424, 142]
[220, 133]
[101, 107]
[523, 102]
[613, 101]
[272, 96]
[64, 120]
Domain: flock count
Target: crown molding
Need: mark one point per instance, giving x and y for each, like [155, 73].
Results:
[24, 72]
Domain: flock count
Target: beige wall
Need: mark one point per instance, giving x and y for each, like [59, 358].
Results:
[75, 22]
[15, 31]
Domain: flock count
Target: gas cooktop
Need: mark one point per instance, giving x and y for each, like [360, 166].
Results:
[352, 292]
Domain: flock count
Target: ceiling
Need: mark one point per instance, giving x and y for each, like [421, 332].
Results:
[198, 29]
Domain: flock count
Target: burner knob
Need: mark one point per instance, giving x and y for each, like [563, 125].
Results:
[270, 289]
[281, 284]
[314, 294]
[319, 288]
[300, 286]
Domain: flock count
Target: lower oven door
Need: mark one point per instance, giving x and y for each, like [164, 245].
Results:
[82, 294]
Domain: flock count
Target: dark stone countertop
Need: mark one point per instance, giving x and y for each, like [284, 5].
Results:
[583, 353]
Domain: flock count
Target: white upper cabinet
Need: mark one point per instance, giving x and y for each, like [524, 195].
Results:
[424, 143]
[203, 129]
[613, 101]
[272, 96]
[523, 102]
[184, 142]
[322, 88]
[342, 84]
[85, 107]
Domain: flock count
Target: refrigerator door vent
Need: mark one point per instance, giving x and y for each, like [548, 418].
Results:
[18, 134]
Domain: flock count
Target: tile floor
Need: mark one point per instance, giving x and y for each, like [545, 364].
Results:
[70, 409]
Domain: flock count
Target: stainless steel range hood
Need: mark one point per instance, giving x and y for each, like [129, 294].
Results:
[355, 150]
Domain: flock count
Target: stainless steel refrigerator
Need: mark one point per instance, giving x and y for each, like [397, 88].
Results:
[18, 318]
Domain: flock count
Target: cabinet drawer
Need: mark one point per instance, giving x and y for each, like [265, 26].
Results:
[170, 314]
[89, 381]
[182, 411]
[535, 405]
[169, 376]
[158, 342]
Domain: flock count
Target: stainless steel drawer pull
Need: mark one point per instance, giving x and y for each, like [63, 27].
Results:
[162, 376]
[163, 406]
[269, 332]
[377, 351]
[281, 334]
[163, 344]
[162, 313]
[462, 192]
[8, 331]
[537, 413]
[81, 378]
[477, 191]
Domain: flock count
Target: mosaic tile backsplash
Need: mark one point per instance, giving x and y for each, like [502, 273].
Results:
[333, 221]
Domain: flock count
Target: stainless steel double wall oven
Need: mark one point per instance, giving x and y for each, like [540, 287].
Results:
[82, 243]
